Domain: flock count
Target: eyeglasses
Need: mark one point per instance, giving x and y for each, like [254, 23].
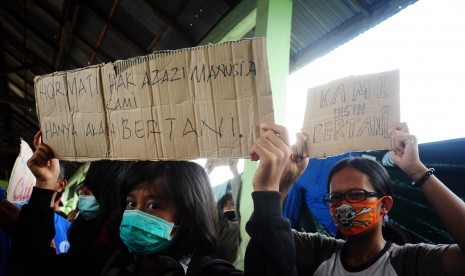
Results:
[354, 195]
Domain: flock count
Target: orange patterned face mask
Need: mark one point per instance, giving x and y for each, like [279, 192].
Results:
[355, 218]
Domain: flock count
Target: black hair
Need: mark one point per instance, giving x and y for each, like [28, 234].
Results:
[379, 178]
[103, 178]
[188, 186]
[223, 200]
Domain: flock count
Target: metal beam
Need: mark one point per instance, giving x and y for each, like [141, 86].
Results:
[235, 25]
[12, 82]
[9, 99]
[172, 22]
[157, 37]
[6, 109]
[108, 24]
[103, 57]
[17, 69]
[164, 27]
[30, 55]
[25, 119]
[66, 30]
[104, 30]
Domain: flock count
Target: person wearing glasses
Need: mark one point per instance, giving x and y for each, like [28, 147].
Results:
[359, 199]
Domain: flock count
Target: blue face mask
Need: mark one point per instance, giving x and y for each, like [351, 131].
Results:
[88, 206]
[143, 233]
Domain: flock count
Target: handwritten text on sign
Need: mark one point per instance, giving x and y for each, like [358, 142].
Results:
[353, 113]
[185, 104]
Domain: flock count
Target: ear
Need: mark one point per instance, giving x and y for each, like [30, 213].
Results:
[386, 204]
[61, 184]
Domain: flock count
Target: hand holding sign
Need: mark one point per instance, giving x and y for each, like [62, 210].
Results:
[273, 150]
[351, 114]
[296, 164]
[43, 165]
[404, 151]
[200, 102]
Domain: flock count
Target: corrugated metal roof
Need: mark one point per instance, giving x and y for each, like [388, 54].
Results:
[44, 36]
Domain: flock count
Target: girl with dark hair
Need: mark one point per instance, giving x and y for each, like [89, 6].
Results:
[379, 178]
[166, 221]
[169, 221]
[359, 199]
[90, 234]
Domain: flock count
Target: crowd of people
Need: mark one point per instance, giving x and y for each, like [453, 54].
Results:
[161, 218]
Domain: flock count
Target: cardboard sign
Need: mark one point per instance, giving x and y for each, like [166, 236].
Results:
[202, 102]
[22, 180]
[351, 114]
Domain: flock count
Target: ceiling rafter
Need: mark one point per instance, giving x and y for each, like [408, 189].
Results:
[60, 25]
[106, 25]
[15, 100]
[47, 10]
[103, 31]
[24, 50]
[67, 28]
[45, 66]
[31, 121]
[172, 22]
[31, 55]
[162, 30]
[29, 84]
[51, 43]
[14, 76]
[24, 57]
[103, 56]
[6, 114]
[17, 69]
[157, 37]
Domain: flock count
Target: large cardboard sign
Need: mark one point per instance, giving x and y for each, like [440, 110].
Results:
[351, 114]
[202, 102]
[21, 180]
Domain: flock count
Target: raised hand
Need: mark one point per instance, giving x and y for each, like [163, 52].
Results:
[404, 151]
[43, 165]
[296, 164]
[273, 150]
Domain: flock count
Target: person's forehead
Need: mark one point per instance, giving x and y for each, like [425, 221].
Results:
[349, 178]
[151, 190]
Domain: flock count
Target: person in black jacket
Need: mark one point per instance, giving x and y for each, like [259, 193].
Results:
[176, 199]
[91, 241]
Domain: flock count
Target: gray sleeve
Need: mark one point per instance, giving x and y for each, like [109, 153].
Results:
[312, 249]
[418, 259]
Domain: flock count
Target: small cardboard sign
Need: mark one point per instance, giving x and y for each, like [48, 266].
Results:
[351, 114]
[202, 102]
[22, 180]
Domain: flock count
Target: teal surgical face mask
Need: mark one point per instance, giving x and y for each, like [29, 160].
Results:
[143, 233]
[88, 206]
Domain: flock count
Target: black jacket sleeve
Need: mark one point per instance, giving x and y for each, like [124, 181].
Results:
[33, 232]
[271, 249]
